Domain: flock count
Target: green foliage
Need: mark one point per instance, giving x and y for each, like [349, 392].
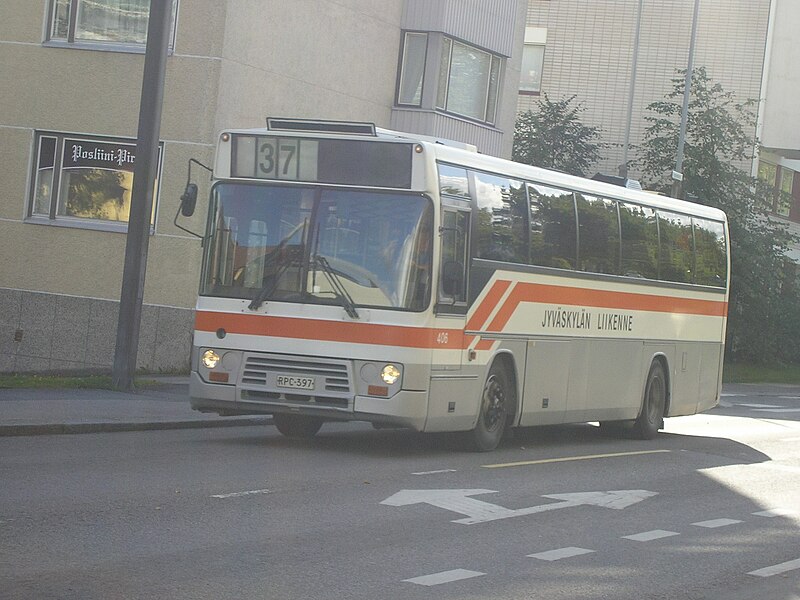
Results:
[554, 137]
[763, 324]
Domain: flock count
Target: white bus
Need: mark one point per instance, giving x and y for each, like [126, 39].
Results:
[358, 274]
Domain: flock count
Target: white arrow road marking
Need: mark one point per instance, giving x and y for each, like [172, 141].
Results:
[444, 577]
[478, 511]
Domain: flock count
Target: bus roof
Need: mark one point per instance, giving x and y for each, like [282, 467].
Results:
[466, 155]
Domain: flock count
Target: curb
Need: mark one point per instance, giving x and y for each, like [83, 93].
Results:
[79, 428]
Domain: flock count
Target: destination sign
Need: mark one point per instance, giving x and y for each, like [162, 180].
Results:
[345, 162]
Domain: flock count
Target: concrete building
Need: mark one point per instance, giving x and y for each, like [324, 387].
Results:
[71, 73]
[574, 47]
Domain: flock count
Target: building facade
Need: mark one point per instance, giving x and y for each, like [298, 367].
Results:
[586, 49]
[72, 79]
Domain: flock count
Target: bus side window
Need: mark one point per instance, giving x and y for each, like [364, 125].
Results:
[710, 253]
[553, 234]
[676, 256]
[598, 227]
[502, 219]
[639, 241]
[453, 280]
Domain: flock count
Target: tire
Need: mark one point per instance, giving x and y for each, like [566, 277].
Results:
[497, 403]
[654, 404]
[297, 426]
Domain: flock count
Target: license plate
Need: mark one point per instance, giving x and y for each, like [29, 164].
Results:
[295, 383]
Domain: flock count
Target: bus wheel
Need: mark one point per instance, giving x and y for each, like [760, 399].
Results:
[496, 402]
[297, 426]
[651, 419]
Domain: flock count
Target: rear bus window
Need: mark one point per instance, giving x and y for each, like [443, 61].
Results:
[710, 254]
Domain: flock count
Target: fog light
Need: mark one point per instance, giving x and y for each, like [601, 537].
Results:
[210, 359]
[390, 374]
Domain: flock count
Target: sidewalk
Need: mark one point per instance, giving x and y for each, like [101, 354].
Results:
[164, 405]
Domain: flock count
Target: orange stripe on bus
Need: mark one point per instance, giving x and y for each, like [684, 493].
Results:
[331, 331]
[484, 344]
[488, 304]
[564, 295]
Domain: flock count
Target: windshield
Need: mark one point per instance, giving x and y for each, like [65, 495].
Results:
[302, 244]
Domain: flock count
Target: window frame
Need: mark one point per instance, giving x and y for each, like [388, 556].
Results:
[530, 91]
[403, 68]
[110, 46]
[52, 217]
[491, 93]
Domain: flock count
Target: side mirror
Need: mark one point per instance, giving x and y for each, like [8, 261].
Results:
[453, 279]
[189, 200]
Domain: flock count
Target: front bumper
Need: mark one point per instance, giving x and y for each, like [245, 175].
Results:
[404, 409]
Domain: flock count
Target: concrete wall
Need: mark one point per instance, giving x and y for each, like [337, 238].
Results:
[590, 46]
[309, 59]
[781, 125]
[59, 333]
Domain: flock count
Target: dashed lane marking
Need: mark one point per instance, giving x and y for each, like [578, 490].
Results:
[240, 494]
[714, 523]
[776, 512]
[444, 577]
[777, 569]
[435, 472]
[560, 553]
[649, 536]
[573, 458]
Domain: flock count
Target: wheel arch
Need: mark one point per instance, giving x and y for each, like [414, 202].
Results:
[506, 359]
[663, 360]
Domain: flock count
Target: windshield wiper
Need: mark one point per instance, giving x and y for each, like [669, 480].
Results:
[269, 287]
[339, 291]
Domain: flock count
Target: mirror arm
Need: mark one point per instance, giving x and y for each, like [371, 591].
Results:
[180, 206]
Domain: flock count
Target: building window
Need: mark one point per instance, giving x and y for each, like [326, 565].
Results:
[84, 181]
[532, 60]
[784, 204]
[468, 81]
[109, 23]
[412, 69]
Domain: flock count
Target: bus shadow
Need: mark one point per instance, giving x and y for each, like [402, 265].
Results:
[527, 443]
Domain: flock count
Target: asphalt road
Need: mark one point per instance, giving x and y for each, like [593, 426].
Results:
[556, 513]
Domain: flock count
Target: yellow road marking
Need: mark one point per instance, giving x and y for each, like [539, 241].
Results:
[571, 458]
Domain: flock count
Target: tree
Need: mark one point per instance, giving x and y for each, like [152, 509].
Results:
[554, 137]
[763, 324]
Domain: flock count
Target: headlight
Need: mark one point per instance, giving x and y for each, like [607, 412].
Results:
[210, 359]
[390, 374]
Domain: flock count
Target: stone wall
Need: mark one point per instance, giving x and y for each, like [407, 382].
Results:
[42, 332]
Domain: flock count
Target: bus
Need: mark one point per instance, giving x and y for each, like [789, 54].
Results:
[352, 273]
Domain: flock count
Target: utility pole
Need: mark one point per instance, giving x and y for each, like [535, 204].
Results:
[623, 168]
[677, 174]
[144, 174]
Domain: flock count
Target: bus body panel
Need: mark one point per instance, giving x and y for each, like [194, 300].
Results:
[579, 345]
